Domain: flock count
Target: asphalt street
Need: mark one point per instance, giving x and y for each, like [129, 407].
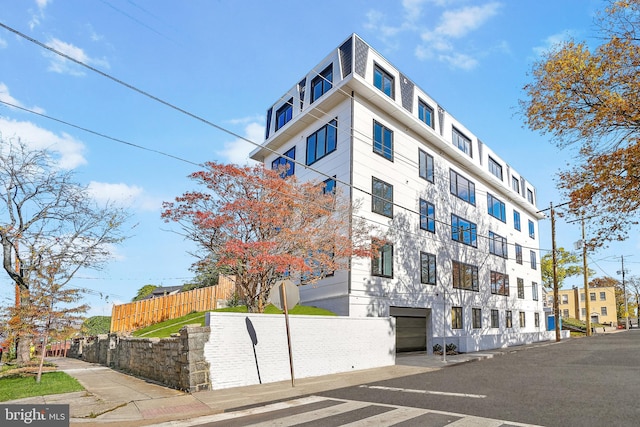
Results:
[591, 381]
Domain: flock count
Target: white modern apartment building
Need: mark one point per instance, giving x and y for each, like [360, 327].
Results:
[461, 263]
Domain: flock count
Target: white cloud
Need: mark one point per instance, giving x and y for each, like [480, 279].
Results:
[70, 151]
[3, 43]
[37, 16]
[59, 64]
[439, 42]
[238, 151]
[124, 195]
[5, 96]
[552, 41]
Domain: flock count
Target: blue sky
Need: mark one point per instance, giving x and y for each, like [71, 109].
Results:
[227, 62]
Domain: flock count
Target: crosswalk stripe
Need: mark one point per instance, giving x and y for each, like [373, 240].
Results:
[314, 415]
[396, 416]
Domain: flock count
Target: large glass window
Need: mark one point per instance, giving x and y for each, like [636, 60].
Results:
[285, 163]
[603, 296]
[499, 283]
[497, 245]
[495, 168]
[534, 262]
[534, 291]
[427, 216]
[464, 231]
[516, 220]
[322, 142]
[495, 319]
[520, 288]
[522, 319]
[536, 319]
[462, 142]
[462, 187]
[322, 83]
[509, 319]
[382, 140]
[518, 253]
[515, 184]
[427, 268]
[530, 196]
[425, 113]
[382, 259]
[329, 186]
[456, 318]
[425, 165]
[382, 197]
[603, 311]
[465, 276]
[476, 318]
[496, 208]
[383, 81]
[284, 114]
[532, 230]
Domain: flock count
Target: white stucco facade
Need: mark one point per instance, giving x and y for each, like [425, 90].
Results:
[485, 246]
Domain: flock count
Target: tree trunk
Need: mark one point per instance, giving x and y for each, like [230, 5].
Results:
[43, 351]
[23, 347]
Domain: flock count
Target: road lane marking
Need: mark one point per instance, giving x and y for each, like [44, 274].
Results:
[408, 390]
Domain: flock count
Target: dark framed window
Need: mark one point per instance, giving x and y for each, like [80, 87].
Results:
[603, 296]
[383, 81]
[520, 288]
[461, 187]
[532, 230]
[427, 216]
[465, 276]
[329, 186]
[382, 259]
[382, 197]
[476, 318]
[464, 231]
[497, 245]
[462, 142]
[425, 113]
[382, 140]
[499, 283]
[523, 318]
[534, 261]
[495, 318]
[284, 114]
[515, 184]
[322, 83]
[530, 196]
[536, 319]
[495, 168]
[496, 208]
[456, 317]
[516, 220]
[518, 253]
[322, 142]
[509, 319]
[427, 268]
[534, 291]
[425, 165]
[285, 163]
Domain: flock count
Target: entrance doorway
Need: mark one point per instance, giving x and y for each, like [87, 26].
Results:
[411, 328]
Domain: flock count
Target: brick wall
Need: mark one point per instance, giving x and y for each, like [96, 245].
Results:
[247, 349]
[238, 349]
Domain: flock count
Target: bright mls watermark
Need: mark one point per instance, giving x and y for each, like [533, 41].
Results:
[34, 415]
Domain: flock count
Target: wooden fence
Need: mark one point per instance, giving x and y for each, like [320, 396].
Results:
[138, 314]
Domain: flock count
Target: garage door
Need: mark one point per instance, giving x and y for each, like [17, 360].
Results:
[411, 334]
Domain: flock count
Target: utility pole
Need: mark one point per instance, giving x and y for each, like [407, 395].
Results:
[626, 301]
[586, 282]
[556, 309]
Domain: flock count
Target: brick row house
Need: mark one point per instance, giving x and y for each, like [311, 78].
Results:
[461, 259]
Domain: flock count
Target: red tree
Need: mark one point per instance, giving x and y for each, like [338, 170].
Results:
[261, 228]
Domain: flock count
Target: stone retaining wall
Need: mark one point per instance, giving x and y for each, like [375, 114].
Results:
[176, 362]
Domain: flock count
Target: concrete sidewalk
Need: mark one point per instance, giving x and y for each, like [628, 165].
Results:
[118, 398]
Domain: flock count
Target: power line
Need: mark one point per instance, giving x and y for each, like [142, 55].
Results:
[194, 116]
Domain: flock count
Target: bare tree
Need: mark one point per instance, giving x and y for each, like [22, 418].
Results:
[47, 219]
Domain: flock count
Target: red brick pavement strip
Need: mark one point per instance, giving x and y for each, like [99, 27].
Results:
[193, 408]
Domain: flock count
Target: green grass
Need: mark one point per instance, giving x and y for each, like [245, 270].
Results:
[173, 326]
[21, 386]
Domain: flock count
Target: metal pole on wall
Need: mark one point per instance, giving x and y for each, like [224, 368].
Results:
[286, 319]
[586, 281]
[556, 308]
